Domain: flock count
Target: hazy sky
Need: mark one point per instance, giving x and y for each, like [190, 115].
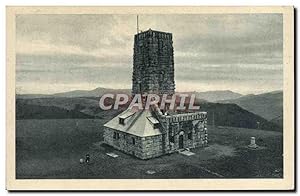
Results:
[241, 52]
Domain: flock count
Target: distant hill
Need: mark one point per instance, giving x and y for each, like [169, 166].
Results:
[98, 92]
[267, 105]
[210, 96]
[213, 96]
[278, 120]
[27, 111]
[232, 115]
[87, 107]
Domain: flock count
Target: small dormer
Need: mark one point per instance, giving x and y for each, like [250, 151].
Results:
[125, 116]
[121, 121]
[154, 122]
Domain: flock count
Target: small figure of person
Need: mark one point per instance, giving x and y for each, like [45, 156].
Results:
[87, 158]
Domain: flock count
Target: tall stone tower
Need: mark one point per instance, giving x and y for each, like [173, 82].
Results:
[149, 133]
[153, 63]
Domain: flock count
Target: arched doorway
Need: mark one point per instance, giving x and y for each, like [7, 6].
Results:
[180, 141]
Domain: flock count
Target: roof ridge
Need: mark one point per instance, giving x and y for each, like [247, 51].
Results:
[134, 120]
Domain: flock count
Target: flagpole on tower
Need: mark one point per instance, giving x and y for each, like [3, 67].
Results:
[137, 23]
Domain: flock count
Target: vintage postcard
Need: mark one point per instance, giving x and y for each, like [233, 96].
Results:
[150, 98]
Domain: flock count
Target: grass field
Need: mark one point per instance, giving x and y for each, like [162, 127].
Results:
[51, 149]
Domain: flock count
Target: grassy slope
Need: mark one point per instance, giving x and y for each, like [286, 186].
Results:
[267, 105]
[52, 149]
[278, 120]
[248, 163]
[86, 107]
[61, 107]
[235, 116]
[27, 111]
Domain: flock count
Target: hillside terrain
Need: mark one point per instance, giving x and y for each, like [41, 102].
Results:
[88, 107]
[51, 149]
[232, 115]
[267, 105]
[210, 96]
[213, 96]
[98, 92]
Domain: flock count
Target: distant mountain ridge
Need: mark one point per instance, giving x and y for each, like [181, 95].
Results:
[213, 96]
[267, 105]
[88, 107]
[98, 92]
[210, 96]
[234, 116]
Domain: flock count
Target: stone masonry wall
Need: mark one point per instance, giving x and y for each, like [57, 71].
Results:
[123, 142]
[143, 148]
[194, 135]
[152, 147]
[192, 127]
[153, 63]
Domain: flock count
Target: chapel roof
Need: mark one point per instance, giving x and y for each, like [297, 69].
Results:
[139, 123]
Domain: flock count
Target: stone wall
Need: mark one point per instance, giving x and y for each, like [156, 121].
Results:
[153, 63]
[194, 134]
[191, 128]
[183, 124]
[152, 147]
[143, 148]
[125, 142]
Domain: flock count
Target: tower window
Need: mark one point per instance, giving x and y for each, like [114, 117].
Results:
[133, 141]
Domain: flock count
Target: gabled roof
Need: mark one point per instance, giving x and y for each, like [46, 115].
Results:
[137, 123]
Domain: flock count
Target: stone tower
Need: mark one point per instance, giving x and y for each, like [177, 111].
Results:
[153, 63]
[150, 133]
